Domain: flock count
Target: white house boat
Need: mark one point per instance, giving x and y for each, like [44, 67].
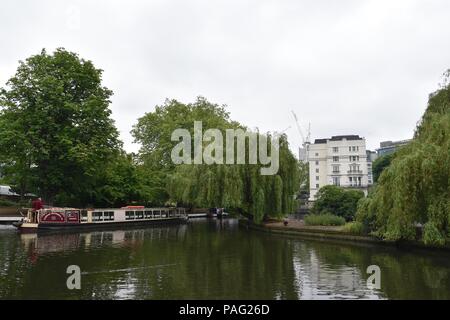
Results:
[72, 218]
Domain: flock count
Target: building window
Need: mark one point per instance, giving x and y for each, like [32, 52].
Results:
[317, 154]
[317, 163]
[335, 169]
[336, 181]
[317, 170]
[335, 159]
[317, 186]
[335, 149]
[317, 178]
[353, 158]
[349, 149]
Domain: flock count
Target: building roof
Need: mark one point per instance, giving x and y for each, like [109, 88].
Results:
[339, 138]
[389, 144]
[6, 191]
[347, 137]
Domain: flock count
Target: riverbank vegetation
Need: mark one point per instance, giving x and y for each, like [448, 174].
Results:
[326, 219]
[58, 141]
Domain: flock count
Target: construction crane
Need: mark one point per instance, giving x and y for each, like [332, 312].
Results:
[303, 152]
[305, 139]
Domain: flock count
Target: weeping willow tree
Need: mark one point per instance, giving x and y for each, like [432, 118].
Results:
[239, 186]
[415, 187]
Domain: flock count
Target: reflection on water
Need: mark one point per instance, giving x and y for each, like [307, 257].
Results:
[210, 259]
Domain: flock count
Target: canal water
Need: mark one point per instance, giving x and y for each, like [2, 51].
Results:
[211, 259]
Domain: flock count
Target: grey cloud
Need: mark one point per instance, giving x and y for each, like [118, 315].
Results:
[348, 67]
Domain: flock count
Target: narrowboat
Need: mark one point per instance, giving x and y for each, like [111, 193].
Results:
[72, 218]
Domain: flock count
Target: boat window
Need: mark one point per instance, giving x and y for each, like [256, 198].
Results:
[148, 214]
[84, 215]
[108, 215]
[139, 215]
[97, 216]
[129, 215]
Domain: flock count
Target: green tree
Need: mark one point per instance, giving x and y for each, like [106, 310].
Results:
[414, 189]
[303, 172]
[239, 187]
[380, 164]
[56, 132]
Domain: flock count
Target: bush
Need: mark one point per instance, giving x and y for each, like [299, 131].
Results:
[326, 219]
[338, 201]
[354, 227]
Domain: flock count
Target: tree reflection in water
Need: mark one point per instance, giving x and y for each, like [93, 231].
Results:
[209, 258]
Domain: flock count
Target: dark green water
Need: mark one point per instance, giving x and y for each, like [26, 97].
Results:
[209, 259]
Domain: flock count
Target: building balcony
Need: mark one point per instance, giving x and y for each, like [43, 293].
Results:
[354, 172]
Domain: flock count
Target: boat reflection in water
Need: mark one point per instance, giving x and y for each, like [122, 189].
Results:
[47, 243]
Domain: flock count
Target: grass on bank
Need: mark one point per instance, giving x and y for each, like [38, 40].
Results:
[326, 219]
[354, 227]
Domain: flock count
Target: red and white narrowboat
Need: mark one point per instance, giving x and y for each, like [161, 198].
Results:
[72, 218]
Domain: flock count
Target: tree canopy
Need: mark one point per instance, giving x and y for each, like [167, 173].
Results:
[238, 186]
[56, 132]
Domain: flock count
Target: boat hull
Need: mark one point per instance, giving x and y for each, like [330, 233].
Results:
[43, 227]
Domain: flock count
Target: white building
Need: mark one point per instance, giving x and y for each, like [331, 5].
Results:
[341, 161]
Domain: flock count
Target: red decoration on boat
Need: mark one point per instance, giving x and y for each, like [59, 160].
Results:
[51, 216]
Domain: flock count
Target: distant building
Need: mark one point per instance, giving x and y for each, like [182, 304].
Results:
[388, 147]
[303, 153]
[340, 161]
[371, 157]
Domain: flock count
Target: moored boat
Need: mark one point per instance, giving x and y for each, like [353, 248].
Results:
[72, 218]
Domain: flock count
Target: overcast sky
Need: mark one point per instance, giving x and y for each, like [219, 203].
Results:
[347, 66]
